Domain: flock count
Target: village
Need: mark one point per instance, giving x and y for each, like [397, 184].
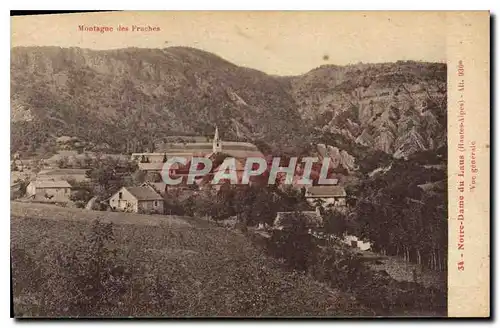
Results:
[64, 179]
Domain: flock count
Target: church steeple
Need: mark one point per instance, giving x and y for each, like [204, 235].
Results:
[216, 144]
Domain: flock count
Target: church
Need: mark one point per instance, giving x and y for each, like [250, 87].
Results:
[236, 149]
[240, 151]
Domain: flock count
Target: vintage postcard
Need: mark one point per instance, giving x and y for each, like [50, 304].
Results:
[250, 164]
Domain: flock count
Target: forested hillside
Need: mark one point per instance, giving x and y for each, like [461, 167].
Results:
[128, 99]
[403, 209]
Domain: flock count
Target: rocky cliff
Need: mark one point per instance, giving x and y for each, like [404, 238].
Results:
[131, 98]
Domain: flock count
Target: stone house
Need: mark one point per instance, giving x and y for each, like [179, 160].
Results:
[143, 199]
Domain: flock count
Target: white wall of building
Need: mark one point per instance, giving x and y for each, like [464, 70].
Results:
[333, 201]
[53, 192]
[356, 242]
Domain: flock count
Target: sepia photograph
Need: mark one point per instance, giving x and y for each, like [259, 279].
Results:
[245, 164]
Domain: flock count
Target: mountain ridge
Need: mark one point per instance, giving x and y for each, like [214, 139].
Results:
[138, 96]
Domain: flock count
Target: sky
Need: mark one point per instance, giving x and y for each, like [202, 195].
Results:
[279, 43]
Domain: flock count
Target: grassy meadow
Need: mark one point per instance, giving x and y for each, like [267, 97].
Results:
[64, 263]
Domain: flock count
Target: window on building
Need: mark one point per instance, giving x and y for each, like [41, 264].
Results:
[120, 195]
[156, 203]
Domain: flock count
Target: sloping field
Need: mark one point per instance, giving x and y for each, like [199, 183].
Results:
[46, 211]
[151, 266]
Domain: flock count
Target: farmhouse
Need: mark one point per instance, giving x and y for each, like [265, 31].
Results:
[326, 195]
[142, 199]
[56, 190]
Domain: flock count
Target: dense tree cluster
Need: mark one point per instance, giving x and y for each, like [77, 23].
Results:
[400, 218]
[108, 175]
[338, 266]
[251, 205]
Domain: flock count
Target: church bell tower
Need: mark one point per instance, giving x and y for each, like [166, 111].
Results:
[216, 144]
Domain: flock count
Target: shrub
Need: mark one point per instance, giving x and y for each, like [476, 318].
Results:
[295, 245]
[95, 283]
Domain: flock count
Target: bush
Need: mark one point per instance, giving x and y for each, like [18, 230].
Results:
[98, 282]
[296, 246]
[84, 280]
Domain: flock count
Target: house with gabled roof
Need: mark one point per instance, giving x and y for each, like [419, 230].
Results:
[160, 187]
[326, 195]
[56, 190]
[143, 199]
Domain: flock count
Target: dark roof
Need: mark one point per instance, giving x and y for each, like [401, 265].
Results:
[325, 191]
[312, 218]
[144, 193]
[158, 186]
